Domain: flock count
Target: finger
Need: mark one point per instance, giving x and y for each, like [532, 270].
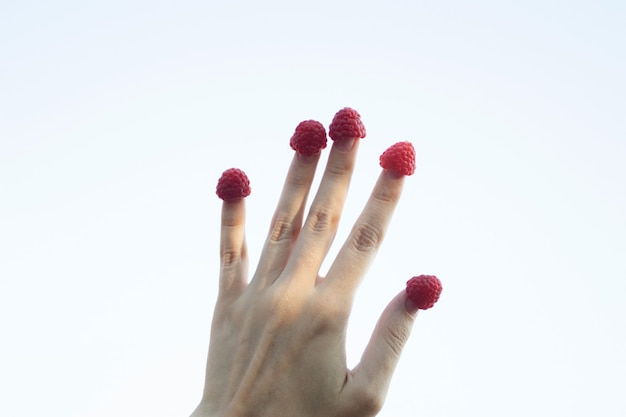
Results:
[287, 219]
[371, 377]
[366, 236]
[233, 252]
[321, 223]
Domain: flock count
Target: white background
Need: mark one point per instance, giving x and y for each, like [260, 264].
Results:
[117, 118]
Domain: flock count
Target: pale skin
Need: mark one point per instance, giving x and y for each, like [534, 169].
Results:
[277, 344]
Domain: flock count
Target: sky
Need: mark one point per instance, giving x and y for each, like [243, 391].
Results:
[117, 118]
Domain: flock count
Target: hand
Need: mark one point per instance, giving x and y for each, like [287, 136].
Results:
[278, 342]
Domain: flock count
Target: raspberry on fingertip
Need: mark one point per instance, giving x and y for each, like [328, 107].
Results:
[346, 124]
[309, 138]
[399, 158]
[423, 291]
[233, 185]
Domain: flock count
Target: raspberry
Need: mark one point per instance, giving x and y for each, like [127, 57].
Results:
[309, 138]
[346, 125]
[233, 185]
[399, 158]
[424, 290]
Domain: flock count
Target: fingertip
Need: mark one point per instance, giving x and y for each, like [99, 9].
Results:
[393, 175]
[410, 306]
[345, 145]
[401, 304]
[304, 159]
[399, 312]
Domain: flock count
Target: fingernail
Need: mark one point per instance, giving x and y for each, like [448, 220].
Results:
[393, 174]
[345, 144]
[410, 307]
[307, 159]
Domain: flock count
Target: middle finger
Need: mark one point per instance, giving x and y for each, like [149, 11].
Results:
[322, 220]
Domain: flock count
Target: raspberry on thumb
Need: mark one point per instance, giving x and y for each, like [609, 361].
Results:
[233, 185]
[423, 291]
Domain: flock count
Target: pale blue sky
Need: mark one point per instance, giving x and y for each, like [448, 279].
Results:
[117, 118]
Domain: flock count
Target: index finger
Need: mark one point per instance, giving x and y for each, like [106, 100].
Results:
[366, 236]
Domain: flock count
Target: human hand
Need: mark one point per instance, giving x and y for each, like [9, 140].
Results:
[277, 343]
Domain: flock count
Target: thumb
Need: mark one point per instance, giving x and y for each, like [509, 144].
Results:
[371, 377]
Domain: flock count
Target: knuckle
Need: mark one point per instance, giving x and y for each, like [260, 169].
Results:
[282, 230]
[230, 257]
[395, 338]
[341, 168]
[369, 399]
[387, 195]
[322, 219]
[366, 238]
[326, 315]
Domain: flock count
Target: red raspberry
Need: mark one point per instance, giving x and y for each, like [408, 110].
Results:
[399, 158]
[309, 138]
[233, 185]
[346, 125]
[424, 290]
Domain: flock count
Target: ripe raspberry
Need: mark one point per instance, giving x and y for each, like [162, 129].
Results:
[346, 125]
[424, 290]
[309, 138]
[233, 185]
[399, 158]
